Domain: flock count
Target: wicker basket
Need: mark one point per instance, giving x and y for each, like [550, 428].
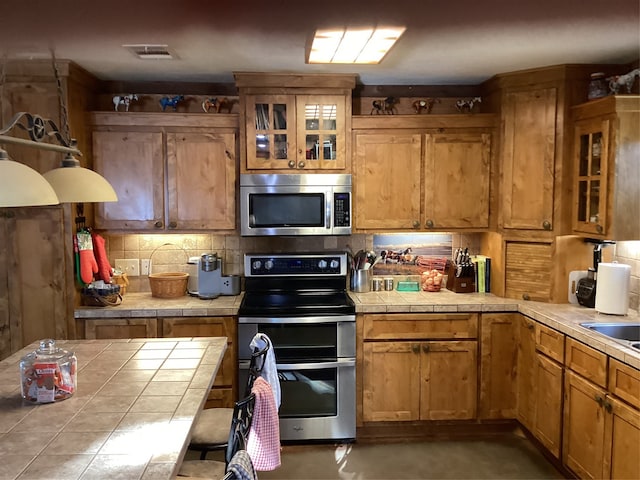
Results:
[168, 285]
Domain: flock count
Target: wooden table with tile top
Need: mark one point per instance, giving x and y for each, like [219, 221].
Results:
[131, 415]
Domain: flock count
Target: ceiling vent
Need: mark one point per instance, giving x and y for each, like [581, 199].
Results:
[151, 52]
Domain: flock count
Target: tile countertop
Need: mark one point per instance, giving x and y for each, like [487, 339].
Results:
[135, 395]
[562, 317]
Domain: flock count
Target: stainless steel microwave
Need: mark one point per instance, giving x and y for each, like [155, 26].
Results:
[295, 204]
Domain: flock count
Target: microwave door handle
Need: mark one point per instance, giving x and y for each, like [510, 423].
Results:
[327, 213]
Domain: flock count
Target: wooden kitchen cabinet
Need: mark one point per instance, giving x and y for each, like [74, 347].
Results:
[293, 122]
[171, 172]
[528, 159]
[105, 328]
[525, 383]
[606, 185]
[224, 392]
[411, 373]
[410, 174]
[498, 365]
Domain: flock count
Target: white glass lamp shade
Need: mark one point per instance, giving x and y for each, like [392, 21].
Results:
[75, 184]
[22, 186]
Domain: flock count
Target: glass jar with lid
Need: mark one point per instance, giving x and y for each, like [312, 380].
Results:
[48, 374]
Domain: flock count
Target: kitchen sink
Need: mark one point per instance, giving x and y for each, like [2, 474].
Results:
[625, 333]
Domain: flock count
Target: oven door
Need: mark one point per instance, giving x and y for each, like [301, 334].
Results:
[317, 399]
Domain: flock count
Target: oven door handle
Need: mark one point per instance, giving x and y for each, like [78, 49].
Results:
[319, 319]
[341, 362]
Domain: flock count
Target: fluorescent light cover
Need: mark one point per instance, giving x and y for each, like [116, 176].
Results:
[365, 45]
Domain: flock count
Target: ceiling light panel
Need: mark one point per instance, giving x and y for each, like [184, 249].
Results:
[151, 51]
[353, 45]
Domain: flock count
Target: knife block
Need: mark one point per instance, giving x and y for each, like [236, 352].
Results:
[459, 284]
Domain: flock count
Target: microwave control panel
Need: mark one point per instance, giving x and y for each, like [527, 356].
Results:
[341, 210]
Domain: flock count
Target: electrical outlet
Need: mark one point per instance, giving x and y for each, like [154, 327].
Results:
[145, 266]
[130, 266]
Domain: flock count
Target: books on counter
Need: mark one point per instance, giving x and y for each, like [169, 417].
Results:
[482, 269]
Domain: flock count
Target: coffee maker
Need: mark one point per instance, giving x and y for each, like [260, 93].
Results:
[209, 276]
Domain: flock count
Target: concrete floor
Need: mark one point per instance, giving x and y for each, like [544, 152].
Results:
[505, 457]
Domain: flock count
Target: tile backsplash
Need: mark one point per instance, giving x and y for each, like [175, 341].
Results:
[629, 253]
[170, 253]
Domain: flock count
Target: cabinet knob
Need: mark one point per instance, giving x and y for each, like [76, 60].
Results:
[292, 164]
[607, 406]
[173, 224]
[429, 223]
[525, 296]
[530, 326]
[158, 224]
[301, 164]
[546, 225]
[416, 224]
[599, 400]
[415, 348]
[425, 348]
[599, 228]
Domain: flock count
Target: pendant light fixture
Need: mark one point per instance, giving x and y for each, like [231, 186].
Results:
[72, 182]
[22, 186]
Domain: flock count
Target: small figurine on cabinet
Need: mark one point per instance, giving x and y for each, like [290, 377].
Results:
[171, 102]
[386, 106]
[465, 105]
[210, 103]
[627, 80]
[226, 104]
[124, 100]
[424, 105]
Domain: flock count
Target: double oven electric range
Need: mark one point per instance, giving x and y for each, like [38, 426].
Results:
[301, 302]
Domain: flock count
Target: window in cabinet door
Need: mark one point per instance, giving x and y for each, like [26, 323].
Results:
[271, 131]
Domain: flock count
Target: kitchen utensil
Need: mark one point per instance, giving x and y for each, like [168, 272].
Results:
[574, 277]
[612, 294]
[360, 280]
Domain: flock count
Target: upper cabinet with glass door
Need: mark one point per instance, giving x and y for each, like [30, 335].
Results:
[295, 122]
[606, 149]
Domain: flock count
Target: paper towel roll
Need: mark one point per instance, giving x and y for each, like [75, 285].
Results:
[612, 288]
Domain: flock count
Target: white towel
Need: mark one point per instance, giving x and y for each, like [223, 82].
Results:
[269, 370]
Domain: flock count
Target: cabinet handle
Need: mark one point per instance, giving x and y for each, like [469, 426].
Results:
[429, 224]
[425, 348]
[546, 225]
[599, 400]
[158, 224]
[530, 326]
[292, 164]
[173, 224]
[415, 348]
[301, 164]
[607, 406]
[599, 228]
[525, 296]
[416, 224]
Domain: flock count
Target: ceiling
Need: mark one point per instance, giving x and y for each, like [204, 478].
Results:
[460, 42]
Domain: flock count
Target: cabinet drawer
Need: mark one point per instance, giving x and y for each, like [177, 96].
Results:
[624, 382]
[422, 326]
[550, 342]
[586, 361]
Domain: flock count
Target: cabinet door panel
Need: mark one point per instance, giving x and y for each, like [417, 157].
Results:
[525, 380]
[201, 172]
[321, 131]
[622, 441]
[548, 403]
[391, 381]
[387, 181]
[449, 380]
[529, 159]
[583, 427]
[133, 162]
[457, 168]
[104, 328]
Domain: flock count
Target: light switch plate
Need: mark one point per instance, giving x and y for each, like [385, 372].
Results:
[130, 266]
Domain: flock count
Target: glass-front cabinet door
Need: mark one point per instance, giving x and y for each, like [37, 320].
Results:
[590, 186]
[271, 136]
[296, 132]
[321, 131]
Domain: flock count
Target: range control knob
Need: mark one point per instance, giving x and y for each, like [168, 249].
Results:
[322, 264]
[335, 263]
[256, 265]
[268, 264]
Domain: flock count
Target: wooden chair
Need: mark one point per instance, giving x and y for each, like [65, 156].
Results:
[242, 414]
[211, 429]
